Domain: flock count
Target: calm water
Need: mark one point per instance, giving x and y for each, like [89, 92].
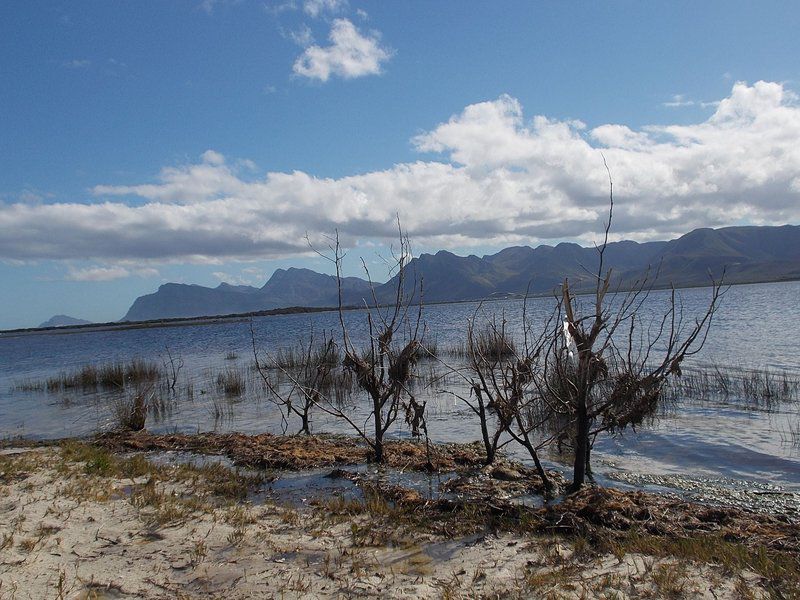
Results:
[757, 326]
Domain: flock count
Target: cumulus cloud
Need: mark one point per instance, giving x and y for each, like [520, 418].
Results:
[350, 54]
[498, 178]
[108, 273]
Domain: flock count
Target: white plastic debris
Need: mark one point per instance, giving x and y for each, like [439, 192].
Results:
[570, 341]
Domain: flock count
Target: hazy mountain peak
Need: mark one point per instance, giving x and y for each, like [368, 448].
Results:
[63, 321]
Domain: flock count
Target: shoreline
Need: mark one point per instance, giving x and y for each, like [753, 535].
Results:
[78, 518]
[291, 310]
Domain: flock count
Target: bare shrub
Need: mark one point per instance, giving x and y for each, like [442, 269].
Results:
[309, 368]
[383, 369]
[601, 369]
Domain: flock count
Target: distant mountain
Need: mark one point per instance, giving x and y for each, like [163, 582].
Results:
[63, 321]
[748, 255]
[289, 287]
[447, 277]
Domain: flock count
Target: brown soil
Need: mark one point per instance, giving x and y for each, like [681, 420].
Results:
[267, 451]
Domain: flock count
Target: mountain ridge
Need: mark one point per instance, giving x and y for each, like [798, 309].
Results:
[748, 254]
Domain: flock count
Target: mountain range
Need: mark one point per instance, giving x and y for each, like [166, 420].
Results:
[748, 254]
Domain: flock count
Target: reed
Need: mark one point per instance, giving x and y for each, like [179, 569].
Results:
[231, 381]
[112, 375]
[762, 389]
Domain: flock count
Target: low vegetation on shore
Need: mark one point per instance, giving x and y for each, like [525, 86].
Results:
[95, 518]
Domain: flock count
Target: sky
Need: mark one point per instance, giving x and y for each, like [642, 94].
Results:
[208, 141]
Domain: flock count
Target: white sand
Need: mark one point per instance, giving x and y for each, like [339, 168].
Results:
[69, 535]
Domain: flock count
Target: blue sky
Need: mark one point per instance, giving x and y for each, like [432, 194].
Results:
[200, 141]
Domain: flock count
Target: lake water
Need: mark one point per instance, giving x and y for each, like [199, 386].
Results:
[757, 326]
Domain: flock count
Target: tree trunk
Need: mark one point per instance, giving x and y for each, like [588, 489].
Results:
[305, 423]
[487, 443]
[548, 485]
[581, 445]
[378, 433]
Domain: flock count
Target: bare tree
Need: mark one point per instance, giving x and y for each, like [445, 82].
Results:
[310, 377]
[502, 395]
[383, 368]
[172, 367]
[603, 369]
[487, 352]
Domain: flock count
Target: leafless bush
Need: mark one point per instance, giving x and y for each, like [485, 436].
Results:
[500, 378]
[384, 368]
[309, 369]
[172, 367]
[601, 369]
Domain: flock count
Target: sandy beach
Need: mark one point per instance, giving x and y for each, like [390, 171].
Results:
[81, 522]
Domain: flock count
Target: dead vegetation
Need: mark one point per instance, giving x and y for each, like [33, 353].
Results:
[592, 542]
[298, 452]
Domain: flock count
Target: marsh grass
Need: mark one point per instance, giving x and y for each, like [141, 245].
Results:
[459, 350]
[109, 376]
[231, 382]
[759, 389]
[131, 410]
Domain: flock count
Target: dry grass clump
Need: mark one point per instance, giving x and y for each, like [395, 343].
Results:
[114, 375]
[493, 344]
[231, 382]
[131, 412]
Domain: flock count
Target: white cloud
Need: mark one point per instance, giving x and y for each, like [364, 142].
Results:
[208, 6]
[97, 274]
[302, 36]
[500, 179]
[252, 276]
[350, 55]
[679, 101]
[76, 63]
[108, 273]
[315, 8]
[276, 8]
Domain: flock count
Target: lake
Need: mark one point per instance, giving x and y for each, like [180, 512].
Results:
[719, 439]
